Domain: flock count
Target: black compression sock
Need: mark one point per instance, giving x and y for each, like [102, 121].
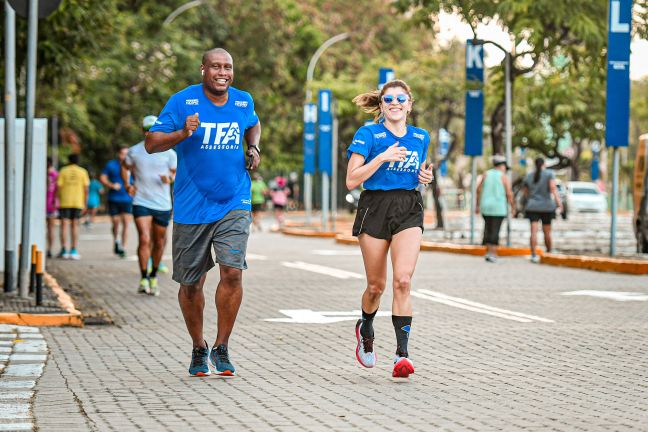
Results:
[153, 272]
[367, 324]
[144, 275]
[402, 326]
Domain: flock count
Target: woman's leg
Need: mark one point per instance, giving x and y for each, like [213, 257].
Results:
[546, 229]
[534, 237]
[374, 254]
[405, 250]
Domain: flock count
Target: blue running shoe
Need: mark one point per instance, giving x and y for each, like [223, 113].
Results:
[199, 366]
[219, 359]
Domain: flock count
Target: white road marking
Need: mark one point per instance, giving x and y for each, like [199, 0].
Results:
[337, 252]
[476, 307]
[16, 427]
[17, 395]
[24, 370]
[483, 306]
[12, 411]
[255, 257]
[329, 271]
[610, 295]
[17, 384]
[308, 316]
[95, 236]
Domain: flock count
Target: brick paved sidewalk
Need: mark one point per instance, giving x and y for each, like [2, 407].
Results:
[586, 370]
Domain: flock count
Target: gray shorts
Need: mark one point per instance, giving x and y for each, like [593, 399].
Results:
[192, 245]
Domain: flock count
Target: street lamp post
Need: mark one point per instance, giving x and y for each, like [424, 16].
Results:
[508, 127]
[308, 180]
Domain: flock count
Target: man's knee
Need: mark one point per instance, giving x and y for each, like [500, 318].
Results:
[375, 287]
[232, 277]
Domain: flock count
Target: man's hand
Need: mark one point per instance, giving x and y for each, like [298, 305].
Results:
[425, 175]
[131, 189]
[165, 179]
[115, 186]
[256, 158]
[191, 124]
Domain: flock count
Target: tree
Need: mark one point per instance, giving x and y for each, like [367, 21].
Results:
[540, 30]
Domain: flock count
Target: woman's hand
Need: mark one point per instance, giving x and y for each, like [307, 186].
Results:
[394, 153]
[425, 175]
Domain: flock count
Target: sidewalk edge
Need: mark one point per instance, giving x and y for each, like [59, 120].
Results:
[72, 318]
[602, 264]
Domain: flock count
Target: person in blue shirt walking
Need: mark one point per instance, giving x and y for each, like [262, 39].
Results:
[120, 204]
[95, 190]
[388, 158]
[206, 123]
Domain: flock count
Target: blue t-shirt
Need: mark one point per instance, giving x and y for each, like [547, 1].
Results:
[371, 140]
[113, 171]
[94, 191]
[212, 179]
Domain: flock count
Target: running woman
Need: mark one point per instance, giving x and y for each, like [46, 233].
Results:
[388, 157]
[120, 204]
[206, 123]
[151, 191]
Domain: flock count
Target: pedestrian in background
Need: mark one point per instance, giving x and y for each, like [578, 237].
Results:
[539, 189]
[51, 205]
[493, 192]
[72, 183]
[95, 190]
[388, 158]
[120, 204]
[279, 194]
[259, 191]
[152, 175]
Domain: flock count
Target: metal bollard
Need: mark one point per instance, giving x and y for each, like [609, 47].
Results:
[39, 278]
[32, 270]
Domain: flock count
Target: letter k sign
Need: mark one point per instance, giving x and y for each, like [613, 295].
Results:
[473, 57]
[615, 16]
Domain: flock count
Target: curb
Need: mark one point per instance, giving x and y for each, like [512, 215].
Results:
[616, 265]
[308, 233]
[71, 318]
[474, 250]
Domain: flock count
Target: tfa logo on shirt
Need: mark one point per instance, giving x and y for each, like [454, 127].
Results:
[410, 164]
[221, 136]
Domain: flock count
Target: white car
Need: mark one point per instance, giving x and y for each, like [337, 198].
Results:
[585, 197]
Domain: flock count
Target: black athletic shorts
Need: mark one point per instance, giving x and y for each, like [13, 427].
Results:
[160, 217]
[384, 213]
[115, 208]
[535, 216]
[70, 213]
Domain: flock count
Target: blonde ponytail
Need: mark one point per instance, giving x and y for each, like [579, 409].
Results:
[370, 101]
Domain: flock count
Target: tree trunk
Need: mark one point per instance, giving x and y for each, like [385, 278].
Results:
[436, 194]
[497, 128]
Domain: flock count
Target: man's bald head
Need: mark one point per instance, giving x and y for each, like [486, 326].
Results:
[214, 51]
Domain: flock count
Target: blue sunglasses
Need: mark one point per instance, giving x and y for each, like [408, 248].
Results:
[401, 98]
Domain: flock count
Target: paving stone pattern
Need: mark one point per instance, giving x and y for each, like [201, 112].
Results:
[586, 371]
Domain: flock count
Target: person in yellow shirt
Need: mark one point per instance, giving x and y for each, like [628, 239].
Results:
[72, 182]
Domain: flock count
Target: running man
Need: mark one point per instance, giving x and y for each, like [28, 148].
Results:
[151, 191]
[206, 123]
[72, 183]
[120, 204]
[388, 158]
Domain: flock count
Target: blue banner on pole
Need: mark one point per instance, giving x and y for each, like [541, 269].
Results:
[617, 106]
[444, 146]
[474, 123]
[310, 119]
[325, 119]
[384, 76]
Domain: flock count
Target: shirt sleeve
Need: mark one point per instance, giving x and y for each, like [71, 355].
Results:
[105, 170]
[128, 160]
[252, 117]
[173, 160]
[169, 119]
[362, 143]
